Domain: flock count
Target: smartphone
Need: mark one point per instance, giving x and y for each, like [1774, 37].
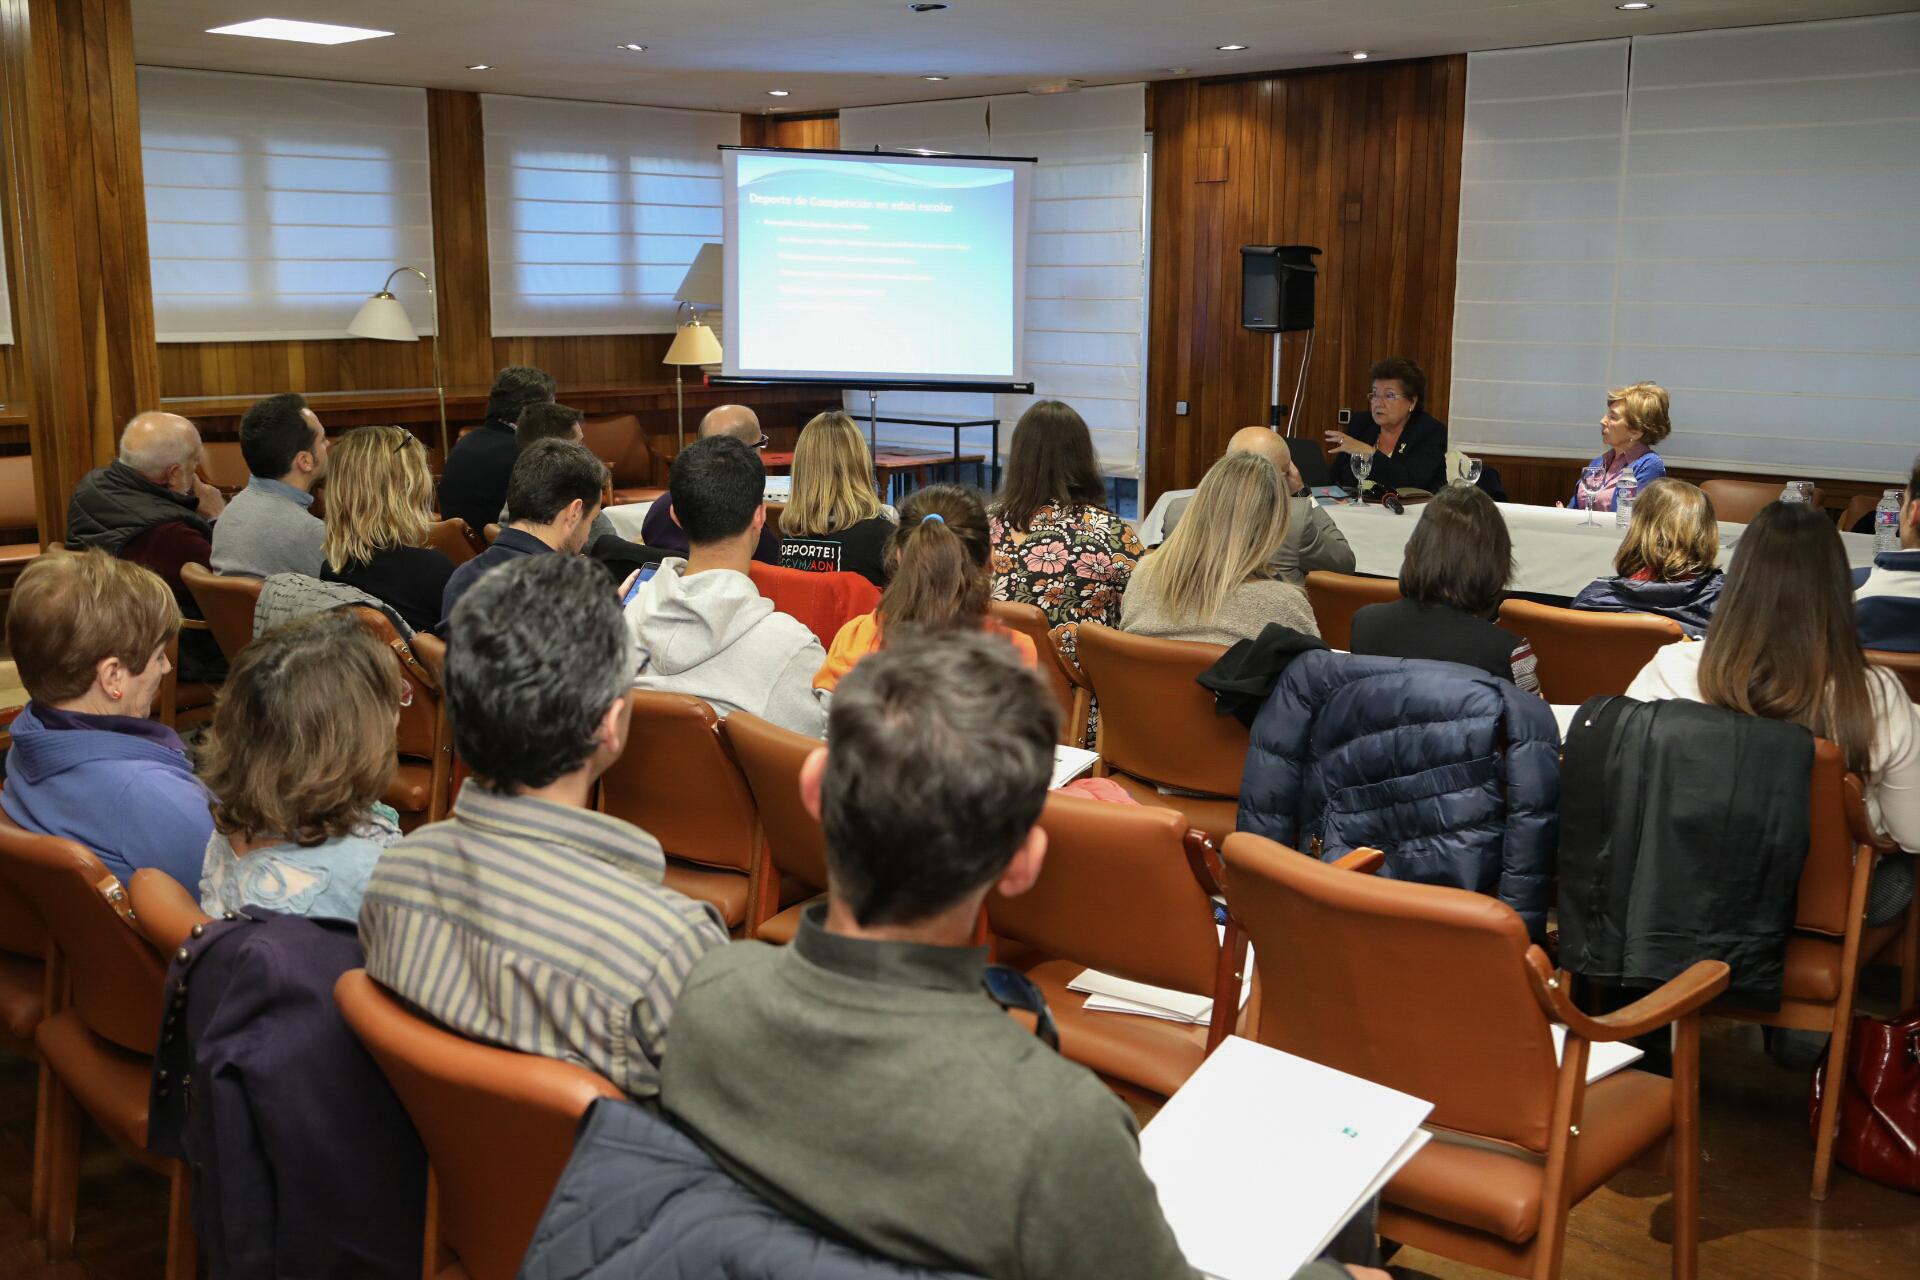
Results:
[646, 572]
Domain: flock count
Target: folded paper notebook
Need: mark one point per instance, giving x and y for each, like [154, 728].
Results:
[1261, 1157]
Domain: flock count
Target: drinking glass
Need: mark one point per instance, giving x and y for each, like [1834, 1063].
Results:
[1470, 471]
[1800, 491]
[1362, 465]
[1592, 481]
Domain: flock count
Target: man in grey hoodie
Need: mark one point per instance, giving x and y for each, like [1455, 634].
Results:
[703, 628]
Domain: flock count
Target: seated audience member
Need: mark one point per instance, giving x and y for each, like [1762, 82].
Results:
[473, 484]
[1407, 444]
[661, 530]
[862, 1078]
[151, 507]
[937, 580]
[547, 421]
[300, 753]
[1452, 577]
[1782, 645]
[1213, 579]
[378, 491]
[701, 625]
[89, 635]
[1636, 420]
[552, 502]
[1887, 604]
[834, 522]
[526, 919]
[1665, 563]
[1313, 541]
[267, 528]
[1054, 542]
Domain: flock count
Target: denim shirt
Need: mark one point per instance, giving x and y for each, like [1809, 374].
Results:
[325, 880]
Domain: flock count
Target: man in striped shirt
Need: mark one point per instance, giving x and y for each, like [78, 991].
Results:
[526, 919]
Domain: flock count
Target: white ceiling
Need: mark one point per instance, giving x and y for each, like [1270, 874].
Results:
[725, 54]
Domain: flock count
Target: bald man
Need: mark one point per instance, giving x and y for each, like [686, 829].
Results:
[1313, 540]
[660, 529]
[151, 507]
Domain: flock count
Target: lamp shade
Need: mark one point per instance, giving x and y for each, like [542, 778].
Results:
[704, 284]
[693, 344]
[382, 316]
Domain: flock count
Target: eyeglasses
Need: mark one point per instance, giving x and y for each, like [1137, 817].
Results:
[1383, 397]
[763, 441]
[1012, 989]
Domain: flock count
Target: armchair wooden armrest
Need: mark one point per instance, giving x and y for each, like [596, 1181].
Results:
[1366, 861]
[1676, 998]
[163, 911]
[1859, 825]
[1204, 859]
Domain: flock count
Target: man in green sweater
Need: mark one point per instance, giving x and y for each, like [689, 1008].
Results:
[862, 1079]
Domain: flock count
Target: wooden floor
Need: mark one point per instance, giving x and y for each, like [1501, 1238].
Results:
[1758, 1222]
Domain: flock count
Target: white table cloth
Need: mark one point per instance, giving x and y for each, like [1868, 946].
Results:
[627, 519]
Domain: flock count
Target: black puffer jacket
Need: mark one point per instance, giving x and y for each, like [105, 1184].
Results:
[114, 504]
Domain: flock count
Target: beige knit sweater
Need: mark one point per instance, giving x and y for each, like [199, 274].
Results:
[1247, 611]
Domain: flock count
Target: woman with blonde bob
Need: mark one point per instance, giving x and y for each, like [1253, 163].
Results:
[1212, 580]
[300, 752]
[1665, 564]
[834, 521]
[379, 504]
[1636, 420]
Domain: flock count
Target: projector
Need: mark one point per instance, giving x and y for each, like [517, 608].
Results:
[1058, 86]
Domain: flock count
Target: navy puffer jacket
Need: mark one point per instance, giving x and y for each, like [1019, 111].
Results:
[1452, 773]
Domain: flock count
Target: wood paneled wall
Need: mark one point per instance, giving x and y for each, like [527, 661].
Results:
[820, 131]
[1363, 162]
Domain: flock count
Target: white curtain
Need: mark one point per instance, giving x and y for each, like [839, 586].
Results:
[1733, 214]
[1086, 255]
[276, 206]
[595, 211]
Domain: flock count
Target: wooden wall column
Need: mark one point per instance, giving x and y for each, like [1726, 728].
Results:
[77, 221]
[458, 155]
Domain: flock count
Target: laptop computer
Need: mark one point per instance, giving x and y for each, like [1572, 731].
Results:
[1310, 460]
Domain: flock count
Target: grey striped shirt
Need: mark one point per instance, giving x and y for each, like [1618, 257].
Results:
[540, 927]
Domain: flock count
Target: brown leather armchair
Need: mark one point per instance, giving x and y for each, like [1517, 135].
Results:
[224, 466]
[677, 782]
[96, 1043]
[1122, 891]
[1831, 942]
[454, 540]
[1436, 992]
[1739, 501]
[498, 1127]
[796, 871]
[1054, 667]
[165, 914]
[1336, 597]
[421, 790]
[23, 974]
[1904, 665]
[182, 704]
[17, 509]
[1582, 654]
[1158, 727]
[227, 602]
[618, 442]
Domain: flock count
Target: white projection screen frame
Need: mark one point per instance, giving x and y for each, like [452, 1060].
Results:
[874, 288]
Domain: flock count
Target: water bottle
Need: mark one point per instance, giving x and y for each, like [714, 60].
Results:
[1800, 491]
[1886, 522]
[1623, 499]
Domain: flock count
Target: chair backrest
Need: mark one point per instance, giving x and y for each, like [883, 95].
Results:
[498, 1126]
[423, 732]
[677, 782]
[115, 977]
[454, 540]
[1739, 501]
[1416, 987]
[824, 602]
[1904, 665]
[1116, 893]
[1336, 597]
[771, 757]
[618, 442]
[21, 933]
[16, 493]
[163, 911]
[1156, 723]
[1031, 623]
[224, 466]
[1837, 827]
[226, 602]
[1857, 509]
[1582, 654]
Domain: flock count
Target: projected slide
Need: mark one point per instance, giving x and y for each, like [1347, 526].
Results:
[890, 268]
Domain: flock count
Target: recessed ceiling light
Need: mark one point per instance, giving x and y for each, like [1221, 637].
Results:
[925, 7]
[776, 93]
[1634, 4]
[1229, 48]
[304, 32]
[630, 47]
[480, 66]
[933, 77]
[1178, 71]
[1359, 55]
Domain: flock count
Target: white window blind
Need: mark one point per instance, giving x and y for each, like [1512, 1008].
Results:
[1086, 255]
[276, 206]
[1733, 214]
[595, 211]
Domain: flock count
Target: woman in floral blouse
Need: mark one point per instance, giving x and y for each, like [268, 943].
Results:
[1055, 544]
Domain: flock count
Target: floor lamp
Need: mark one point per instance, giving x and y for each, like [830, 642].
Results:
[693, 343]
[384, 317]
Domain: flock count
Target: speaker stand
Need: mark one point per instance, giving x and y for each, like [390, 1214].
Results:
[1276, 411]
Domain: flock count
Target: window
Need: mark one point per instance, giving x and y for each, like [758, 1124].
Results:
[276, 206]
[594, 211]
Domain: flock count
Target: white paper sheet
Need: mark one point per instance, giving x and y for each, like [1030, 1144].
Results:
[1069, 763]
[1603, 1058]
[1108, 994]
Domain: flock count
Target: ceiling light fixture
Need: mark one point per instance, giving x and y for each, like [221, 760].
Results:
[1634, 5]
[776, 93]
[480, 66]
[302, 32]
[933, 77]
[1360, 55]
[1230, 48]
[630, 47]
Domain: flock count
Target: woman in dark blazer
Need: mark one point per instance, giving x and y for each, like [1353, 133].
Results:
[1408, 445]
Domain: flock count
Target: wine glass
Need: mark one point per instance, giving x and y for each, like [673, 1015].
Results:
[1362, 466]
[1470, 471]
[1592, 481]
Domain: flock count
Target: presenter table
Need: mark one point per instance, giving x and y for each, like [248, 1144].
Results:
[1555, 552]
[945, 421]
